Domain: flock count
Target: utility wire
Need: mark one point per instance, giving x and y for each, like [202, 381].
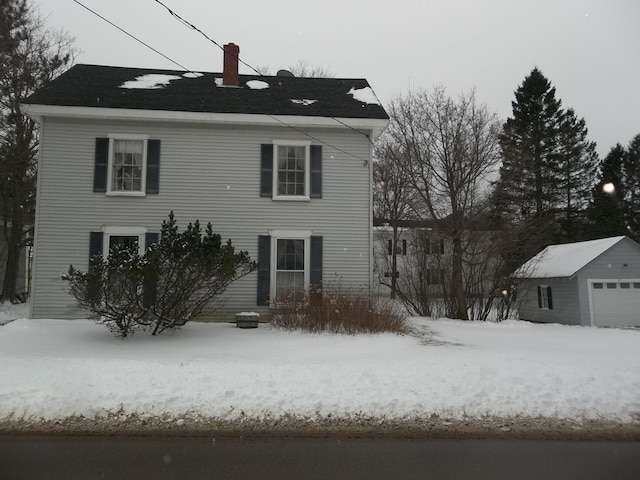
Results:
[183, 21]
[193, 27]
[132, 36]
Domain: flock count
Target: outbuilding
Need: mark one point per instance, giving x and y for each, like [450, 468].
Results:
[594, 283]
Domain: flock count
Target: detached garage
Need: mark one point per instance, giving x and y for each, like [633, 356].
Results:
[593, 283]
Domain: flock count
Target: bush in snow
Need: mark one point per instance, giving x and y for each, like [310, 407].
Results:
[166, 287]
[338, 311]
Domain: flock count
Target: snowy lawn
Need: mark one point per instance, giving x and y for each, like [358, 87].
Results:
[52, 369]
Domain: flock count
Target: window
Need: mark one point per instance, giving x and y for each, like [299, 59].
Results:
[291, 170]
[625, 285]
[598, 285]
[545, 301]
[127, 165]
[289, 262]
[400, 250]
[612, 285]
[434, 246]
[435, 276]
[290, 272]
[291, 167]
[128, 236]
[127, 162]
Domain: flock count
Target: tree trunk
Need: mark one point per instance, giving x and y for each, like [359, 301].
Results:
[457, 280]
[14, 247]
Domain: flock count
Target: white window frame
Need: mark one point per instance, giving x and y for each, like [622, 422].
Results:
[307, 170]
[143, 184]
[115, 231]
[289, 235]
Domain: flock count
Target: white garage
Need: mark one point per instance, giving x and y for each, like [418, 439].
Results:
[615, 302]
[592, 283]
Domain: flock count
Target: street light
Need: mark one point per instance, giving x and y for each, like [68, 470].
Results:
[609, 188]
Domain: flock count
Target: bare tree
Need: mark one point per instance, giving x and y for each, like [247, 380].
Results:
[303, 69]
[30, 56]
[448, 149]
[392, 203]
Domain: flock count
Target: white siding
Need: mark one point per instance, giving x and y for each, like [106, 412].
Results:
[210, 173]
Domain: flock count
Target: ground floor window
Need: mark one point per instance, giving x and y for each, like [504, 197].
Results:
[128, 236]
[544, 297]
[290, 272]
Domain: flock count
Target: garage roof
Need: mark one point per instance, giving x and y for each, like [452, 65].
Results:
[566, 259]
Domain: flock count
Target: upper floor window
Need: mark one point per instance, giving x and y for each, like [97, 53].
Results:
[127, 164]
[291, 178]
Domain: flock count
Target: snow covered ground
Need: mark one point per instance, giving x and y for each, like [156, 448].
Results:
[54, 369]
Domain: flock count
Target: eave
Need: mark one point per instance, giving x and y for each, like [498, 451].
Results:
[38, 111]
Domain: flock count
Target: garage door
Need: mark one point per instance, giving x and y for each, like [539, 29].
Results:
[616, 303]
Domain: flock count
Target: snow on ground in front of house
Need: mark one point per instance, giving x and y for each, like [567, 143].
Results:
[53, 369]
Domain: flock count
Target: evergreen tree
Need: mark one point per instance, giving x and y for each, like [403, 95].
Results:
[548, 165]
[605, 214]
[577, 162]
[528, 142]
[631, 167]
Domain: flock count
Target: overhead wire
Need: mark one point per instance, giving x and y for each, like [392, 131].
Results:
[190, 25]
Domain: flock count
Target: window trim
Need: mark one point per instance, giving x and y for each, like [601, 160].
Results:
[115, 231]
[544, 297]
[307, 170]
[143, 184]
[276, 235]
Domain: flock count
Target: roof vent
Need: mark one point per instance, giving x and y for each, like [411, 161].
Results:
[284, 73]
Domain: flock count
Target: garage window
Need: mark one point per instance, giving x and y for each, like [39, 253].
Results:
[636, 285]
[598, 285]
[612, 285]
[545, 301]
[625, 285]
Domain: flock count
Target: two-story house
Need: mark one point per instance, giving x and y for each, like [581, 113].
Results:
[278, 164]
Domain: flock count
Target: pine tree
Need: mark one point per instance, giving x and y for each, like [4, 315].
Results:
[631, 168]
[606, 214]
[528, 141]
[576, 166]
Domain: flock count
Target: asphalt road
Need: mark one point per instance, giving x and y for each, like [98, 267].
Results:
[184, 458]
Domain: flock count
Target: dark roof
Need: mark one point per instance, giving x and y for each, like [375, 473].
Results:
[101, 86]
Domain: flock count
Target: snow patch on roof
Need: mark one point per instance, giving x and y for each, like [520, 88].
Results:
[193, 75]
[303, 101]
[257, 85]
[364, 95]
[565, 260]
[150, 81]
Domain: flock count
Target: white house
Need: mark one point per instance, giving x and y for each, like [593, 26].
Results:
[585, 283]
[280, 165]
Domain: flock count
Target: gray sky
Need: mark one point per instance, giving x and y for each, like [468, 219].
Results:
[588, 49]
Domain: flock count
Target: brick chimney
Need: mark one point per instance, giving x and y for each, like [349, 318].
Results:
[230, 73]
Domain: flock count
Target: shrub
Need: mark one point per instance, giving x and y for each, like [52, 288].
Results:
[338, 311]
[166, 287]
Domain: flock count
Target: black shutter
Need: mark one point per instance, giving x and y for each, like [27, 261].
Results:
[266, 170]
[264, 269]
[539, 296]
[315, 271]
[390, 247]
[316, 172]
[150, 280]
[404, 246]
[549, 301]
[101, 164]
[95, 244]
[150, 238]
[153, 166]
